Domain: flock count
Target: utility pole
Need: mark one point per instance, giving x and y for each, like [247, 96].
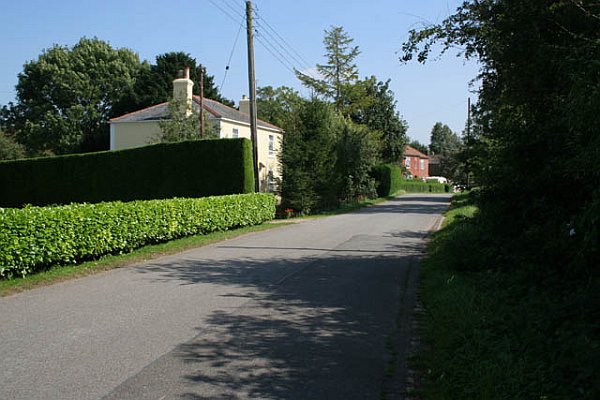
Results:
[201, 102]
[468, 161]
[252, 85]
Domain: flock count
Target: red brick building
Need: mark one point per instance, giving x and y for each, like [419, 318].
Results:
[416, 162]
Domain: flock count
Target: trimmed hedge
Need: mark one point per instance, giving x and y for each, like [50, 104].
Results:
[35, 238]
[160, 171]
[389, 181]
[388, 178]
[418, 186]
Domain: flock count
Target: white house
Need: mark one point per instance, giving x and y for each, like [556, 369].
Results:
[140, 128]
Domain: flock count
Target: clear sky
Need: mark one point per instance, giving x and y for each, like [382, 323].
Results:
[436, 91]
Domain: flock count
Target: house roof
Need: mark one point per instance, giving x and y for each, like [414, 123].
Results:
[412, 152]
[215, 110]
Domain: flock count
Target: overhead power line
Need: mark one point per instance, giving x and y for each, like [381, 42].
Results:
[228, 13]
[266, 35]
[275, 53]
[231, 55]
[234, 8]
[286, 45]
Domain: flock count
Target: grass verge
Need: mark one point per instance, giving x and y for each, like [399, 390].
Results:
[492, 333]
[350, 207]
[63, 273]
[67, 272]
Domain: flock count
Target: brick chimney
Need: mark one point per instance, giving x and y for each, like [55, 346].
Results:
[182, 90]
[245, 105]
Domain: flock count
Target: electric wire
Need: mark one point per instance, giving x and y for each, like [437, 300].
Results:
[267, 37]
[273, 51]
[233, 8]
[231, 55]
[224, 11]
[286, 45]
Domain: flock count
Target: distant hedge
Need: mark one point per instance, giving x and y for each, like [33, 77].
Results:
[388, 178]
[418, 186]
[165, 170]
[35, 238]
[389, 181]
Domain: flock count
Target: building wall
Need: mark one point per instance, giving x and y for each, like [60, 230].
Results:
[125, 135]
[267, 161]
[416, 167]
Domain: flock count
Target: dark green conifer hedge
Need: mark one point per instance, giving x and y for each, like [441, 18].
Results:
[165, 170]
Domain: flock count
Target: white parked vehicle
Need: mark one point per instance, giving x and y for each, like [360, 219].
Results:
[439, 179]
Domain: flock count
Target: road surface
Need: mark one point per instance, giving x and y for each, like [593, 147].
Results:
[303, 311]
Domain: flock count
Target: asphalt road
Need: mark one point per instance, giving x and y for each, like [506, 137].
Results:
[299, 312]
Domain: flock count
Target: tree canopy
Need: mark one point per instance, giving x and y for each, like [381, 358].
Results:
[443, 140]
[9, 148]
[378, 112]
[448, 147]
[276, 105]
[536, 137]
[154, 83]
[66, 96]
[340, 71]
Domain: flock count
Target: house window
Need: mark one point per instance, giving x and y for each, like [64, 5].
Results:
[271, 145]
[270, 181]
[423, 165]
[407, 162]
[235, 133]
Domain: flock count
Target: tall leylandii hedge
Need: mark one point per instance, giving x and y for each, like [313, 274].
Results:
[34, 238]
[160, 171]
[388, 178]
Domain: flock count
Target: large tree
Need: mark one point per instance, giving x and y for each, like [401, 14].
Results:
[340, 72]
[9, 148]
[443, 140]
[308, 157]
[447, 146]
[415, 144]
[536, 115]
[377, 111]
[154, 83]
[277, 105]
[357, 152]
[66, 96]
[538, 141]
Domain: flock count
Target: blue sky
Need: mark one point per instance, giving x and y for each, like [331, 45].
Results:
[436, 91]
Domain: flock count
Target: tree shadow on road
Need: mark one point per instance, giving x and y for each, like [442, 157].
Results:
[303, 322]
[308, 326]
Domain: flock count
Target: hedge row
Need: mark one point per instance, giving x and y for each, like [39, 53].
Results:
[418, 186]
[389, 181]
[160, 171]
[35, 238]
[388, 178]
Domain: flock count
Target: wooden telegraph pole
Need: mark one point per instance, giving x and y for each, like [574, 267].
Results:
[201, 102]
[252, 85]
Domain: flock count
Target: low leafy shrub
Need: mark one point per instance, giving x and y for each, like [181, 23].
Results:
[36, 238]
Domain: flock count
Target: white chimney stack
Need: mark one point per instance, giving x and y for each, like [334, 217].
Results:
[245, 105]
[182, 90]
